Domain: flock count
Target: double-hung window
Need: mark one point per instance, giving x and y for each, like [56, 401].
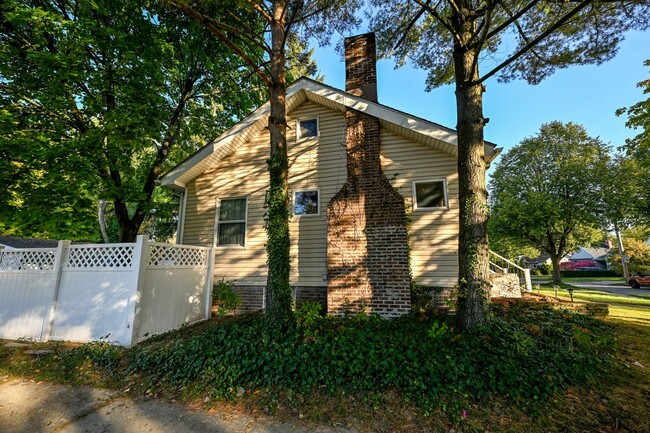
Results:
[430, 194]
[231, 221]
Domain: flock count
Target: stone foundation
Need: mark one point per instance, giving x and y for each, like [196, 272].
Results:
[505, 286]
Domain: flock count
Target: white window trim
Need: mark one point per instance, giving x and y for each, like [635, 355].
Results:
[415, 198]
[215, 242]
[316, 137]
[293, 203]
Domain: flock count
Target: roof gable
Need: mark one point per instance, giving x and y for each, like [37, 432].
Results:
[419, 130]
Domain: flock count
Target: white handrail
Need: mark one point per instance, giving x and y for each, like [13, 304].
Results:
[525, 272]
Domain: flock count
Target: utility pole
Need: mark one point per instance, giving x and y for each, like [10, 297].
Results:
[624, 258]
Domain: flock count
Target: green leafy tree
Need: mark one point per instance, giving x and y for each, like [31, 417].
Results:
[99, 99]
[530, 39]
[547, 191]
[270, 28]
[638, 151]
[638, 253]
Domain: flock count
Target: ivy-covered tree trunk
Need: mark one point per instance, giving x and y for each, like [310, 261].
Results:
[278, 290]
[473, 262]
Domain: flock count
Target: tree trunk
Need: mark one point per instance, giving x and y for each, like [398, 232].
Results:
[473, 260]
[101, 217]
[555, 261]
[278, 290]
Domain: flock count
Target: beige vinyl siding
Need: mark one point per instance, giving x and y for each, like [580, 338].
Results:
[314, 164]
[321, 164]
[433, 234]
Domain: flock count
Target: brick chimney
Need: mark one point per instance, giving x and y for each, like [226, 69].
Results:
[367, 243]
[361, 66]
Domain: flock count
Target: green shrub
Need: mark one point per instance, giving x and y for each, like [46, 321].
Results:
[307, 315]
[590, 274]
[227, 299]
[545, 269]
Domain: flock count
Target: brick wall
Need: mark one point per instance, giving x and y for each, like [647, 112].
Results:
[311, 294]
[367, 244]
[252, 297]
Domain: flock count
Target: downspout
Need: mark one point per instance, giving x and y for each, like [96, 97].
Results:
[180, 225]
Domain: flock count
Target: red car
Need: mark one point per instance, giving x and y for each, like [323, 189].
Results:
[639, 279]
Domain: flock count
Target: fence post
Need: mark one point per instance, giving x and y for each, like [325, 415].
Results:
[59, 257]
[140, 262]
[529, 284]
[208, 289]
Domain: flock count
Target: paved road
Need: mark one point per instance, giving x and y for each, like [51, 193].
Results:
[29, 407]
[613, 287]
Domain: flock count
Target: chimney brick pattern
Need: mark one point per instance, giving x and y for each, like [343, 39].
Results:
[367, 242]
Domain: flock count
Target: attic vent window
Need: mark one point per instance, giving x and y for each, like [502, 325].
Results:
[306, 203]
[430, 194]
[307, 128]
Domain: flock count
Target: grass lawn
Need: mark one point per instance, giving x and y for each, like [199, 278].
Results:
[596, 296]
[530, 371]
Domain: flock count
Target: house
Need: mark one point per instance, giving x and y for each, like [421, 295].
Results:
[357, 168]
[11, 242]
[597, 254]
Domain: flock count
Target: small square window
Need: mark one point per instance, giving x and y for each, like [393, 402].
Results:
[306, 203]
[430, 195]
[307, 128]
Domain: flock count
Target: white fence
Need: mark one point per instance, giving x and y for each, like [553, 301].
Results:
[121, 292]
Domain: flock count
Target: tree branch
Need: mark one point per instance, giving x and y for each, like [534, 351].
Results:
[442, 21]
[535, 41]
[206, 22]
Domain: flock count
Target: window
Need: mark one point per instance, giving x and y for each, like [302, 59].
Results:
[306, 203]
[307, 128]
[430, 194]
[231, 221]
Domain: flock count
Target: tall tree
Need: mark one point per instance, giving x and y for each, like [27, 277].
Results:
[236, 24]
[637, 150]
[449, 38]
[547, 191]
[99, 98]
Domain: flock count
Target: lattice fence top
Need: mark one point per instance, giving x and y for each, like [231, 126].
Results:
[28, 260]
[169, 255]
[100, 257]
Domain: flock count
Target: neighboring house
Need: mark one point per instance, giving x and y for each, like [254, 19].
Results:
[597, 254]
[11, 242]
[356, 168]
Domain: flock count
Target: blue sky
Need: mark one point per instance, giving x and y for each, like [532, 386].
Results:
[588, 95]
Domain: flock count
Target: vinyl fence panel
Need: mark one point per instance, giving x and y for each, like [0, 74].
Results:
[26, 291]
[119, 292]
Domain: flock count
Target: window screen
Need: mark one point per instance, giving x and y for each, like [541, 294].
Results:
[231, 228]
[308, 128]
[430, 194]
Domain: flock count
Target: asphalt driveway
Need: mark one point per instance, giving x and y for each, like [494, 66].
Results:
[613, 287]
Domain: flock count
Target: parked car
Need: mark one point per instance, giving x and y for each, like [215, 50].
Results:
[639, 279]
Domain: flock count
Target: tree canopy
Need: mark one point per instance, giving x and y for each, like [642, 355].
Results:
[98, 99]
[547, 191]
[636, 163]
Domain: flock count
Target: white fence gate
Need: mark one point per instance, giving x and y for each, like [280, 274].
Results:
[121, 292]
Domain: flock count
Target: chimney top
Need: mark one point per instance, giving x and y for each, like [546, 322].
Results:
[361, 66]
